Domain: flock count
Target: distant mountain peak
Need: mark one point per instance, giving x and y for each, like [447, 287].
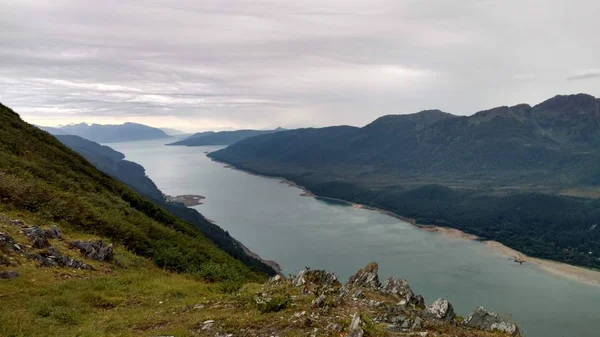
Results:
[568, 104]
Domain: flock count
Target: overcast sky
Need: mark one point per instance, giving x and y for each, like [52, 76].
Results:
[198, 65]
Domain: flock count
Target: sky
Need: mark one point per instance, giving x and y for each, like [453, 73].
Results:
[220, 65]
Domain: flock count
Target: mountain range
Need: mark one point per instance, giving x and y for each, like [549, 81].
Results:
[527, 176]
[109, 133]
[221, 138]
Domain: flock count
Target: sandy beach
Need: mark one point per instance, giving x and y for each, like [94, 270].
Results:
[580, 274]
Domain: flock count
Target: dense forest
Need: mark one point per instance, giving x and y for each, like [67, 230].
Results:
[524, 176]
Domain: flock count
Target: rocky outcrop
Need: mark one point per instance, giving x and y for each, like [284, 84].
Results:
[7, 243]
[440, 309]
[400, 289]
[7, 275]
[490, 321]
[96, 250]
[317, 281]
[39, 237]
[355, 327]
[53, 258]
[366, 277]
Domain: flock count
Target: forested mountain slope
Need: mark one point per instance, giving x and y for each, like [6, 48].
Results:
[221, 138]
[526, 176]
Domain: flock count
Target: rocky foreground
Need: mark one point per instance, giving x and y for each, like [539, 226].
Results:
[390, 308]
[99, 292]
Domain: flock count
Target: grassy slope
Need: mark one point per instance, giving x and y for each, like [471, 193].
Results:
[132, 297]
[41, 177]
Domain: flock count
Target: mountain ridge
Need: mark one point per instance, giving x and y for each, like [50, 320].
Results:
[220, 138]
[467, 172]
[109, 133]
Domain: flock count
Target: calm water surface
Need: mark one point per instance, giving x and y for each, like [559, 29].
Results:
[273, 220]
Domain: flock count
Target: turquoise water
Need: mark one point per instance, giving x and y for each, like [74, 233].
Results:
[274, 221]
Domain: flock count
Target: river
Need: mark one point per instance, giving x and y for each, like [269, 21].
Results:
[273, 220]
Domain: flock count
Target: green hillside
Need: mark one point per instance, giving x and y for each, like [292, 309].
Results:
[42, 178]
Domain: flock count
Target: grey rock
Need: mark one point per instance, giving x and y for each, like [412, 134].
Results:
[400, 319]
[359, 294]
[17, 223]
[417, 324]
[317, 280]
[491, 321]
[53, 258]
[276, 279]
[418, 301]
[400, 289]
[394, 328]
[207, 325]
[53, 233]
[356, 322]
[366, 277]
[7, 275]
[39, 237]
[440, 309]
[96, 250]
[318, 302]
[7, 243]
[356, 333]
[299, 279]
[334, 327]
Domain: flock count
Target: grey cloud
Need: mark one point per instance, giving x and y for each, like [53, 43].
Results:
[232, 64]
[585, 74]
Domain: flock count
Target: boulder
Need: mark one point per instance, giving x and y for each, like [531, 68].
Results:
[355, 329]
[318, 302]
[277, 279]
[334, 327]
[53, 233]
[366, 277]
[441, 309]
[53, 258]
[96, 250]
[401, 290]
[7, 243]
[7, 275]
[490, 321]
[416, 324]
[39, 237]
[318, 281]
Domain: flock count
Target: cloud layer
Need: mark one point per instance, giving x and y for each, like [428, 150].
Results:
[224, 64]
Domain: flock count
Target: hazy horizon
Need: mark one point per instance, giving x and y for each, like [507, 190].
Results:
[223, 65]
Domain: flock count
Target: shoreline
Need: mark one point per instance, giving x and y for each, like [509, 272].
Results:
[577, 273]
